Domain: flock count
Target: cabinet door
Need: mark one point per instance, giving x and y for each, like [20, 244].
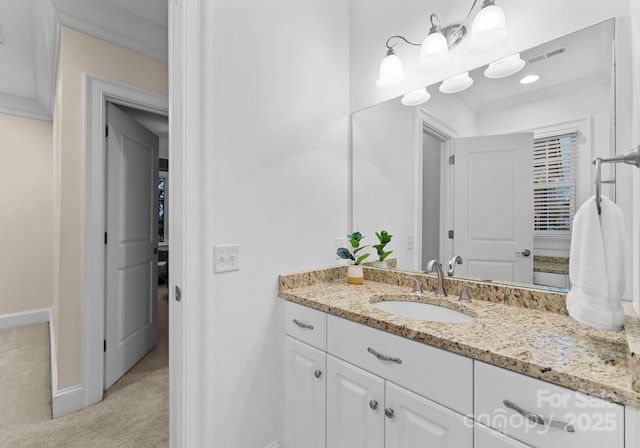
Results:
[304, 395]
[355, 407]
[413, 421]
[489, 438]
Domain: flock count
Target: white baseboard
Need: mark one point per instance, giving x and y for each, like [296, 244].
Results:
[275, 444]
[24, 318]
[67, 400]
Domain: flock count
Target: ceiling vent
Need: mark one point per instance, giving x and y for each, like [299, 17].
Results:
[547, 55]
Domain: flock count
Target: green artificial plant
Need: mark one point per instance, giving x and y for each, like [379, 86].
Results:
[352, 254]
[384, 237]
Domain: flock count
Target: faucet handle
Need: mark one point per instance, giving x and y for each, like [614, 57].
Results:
[464, 295]
[417, 287]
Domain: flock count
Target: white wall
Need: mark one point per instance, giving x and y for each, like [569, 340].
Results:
[26, 201]
[277, 107]
[80, 53]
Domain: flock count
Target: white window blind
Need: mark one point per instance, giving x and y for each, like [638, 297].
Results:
[555, 175]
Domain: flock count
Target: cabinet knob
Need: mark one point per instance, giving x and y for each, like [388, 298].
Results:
[373, 404]
[317, 373]
[389, 412]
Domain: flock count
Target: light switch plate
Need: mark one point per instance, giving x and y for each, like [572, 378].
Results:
[226, 257]
[410, 242]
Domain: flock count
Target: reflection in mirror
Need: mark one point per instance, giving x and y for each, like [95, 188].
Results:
[492, 174]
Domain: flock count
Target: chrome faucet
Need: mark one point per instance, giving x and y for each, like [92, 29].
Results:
[417, 287]
[435, 266]
[452, 264]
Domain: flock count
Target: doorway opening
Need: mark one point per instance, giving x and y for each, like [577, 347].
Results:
[100, 92]
[136, 207]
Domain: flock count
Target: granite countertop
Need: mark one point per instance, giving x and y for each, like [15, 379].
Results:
[552, 265]
[523, 330]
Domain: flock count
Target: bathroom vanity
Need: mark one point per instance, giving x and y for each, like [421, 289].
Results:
[520, 374]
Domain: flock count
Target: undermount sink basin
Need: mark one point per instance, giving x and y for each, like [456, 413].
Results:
[422, 311]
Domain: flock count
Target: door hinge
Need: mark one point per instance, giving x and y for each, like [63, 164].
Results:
[452, 159]
[105, 238]
[105, 346]
[106, 130]
[450, 234]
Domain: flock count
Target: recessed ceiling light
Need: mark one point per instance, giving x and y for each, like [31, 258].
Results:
[529, 79]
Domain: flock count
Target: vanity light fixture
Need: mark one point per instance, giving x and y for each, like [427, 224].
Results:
[489, 28]
[391, 71]
[529, 79]
[416, 97]
[456, 83]
[488, 32]
[505, 67]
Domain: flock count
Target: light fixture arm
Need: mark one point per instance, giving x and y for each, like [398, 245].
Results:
[390, 47]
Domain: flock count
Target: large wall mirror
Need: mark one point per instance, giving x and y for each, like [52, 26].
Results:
[492, 174]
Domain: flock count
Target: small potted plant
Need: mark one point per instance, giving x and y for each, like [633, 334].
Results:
[384, 237]
[355, 275]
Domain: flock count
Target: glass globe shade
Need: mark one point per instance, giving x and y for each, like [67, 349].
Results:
[488, 30]
[391, 73]
[504, 67]
[416, 97]
[434, 51]
[456, 83]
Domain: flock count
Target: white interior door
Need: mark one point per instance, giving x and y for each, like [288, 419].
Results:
[131, 326]
[493, 219]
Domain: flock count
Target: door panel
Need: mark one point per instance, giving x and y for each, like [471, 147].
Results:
[305, 395]
[131, 250]
[353, 421]
[418, 422]
[494, 212]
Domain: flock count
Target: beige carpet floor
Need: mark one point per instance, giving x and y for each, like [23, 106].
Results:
[133, 413]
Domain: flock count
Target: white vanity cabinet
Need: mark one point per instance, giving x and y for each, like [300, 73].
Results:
[305, 386]
[484, 437]
[366, 411]
[305, 379]
[348, 385]
[504, 399]
[355, 406]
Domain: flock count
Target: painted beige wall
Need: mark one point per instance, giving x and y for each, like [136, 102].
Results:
[26, 202]
[79, 54]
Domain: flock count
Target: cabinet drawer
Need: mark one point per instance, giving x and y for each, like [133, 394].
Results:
[306, 324]
[484, 437]
[596, 422]
[441, 376]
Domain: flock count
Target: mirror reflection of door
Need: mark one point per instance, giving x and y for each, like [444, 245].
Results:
[493, 225]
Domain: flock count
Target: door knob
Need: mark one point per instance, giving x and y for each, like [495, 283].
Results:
[524, 253]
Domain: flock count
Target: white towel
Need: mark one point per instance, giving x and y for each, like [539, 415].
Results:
[596, 265]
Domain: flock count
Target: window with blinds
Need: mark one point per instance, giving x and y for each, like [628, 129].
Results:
[555, 181]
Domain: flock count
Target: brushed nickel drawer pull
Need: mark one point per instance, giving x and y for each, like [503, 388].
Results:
[540, 420]
[302, 324]
[382, 357]
[388, 412]
[317, 373]
[373, 404]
